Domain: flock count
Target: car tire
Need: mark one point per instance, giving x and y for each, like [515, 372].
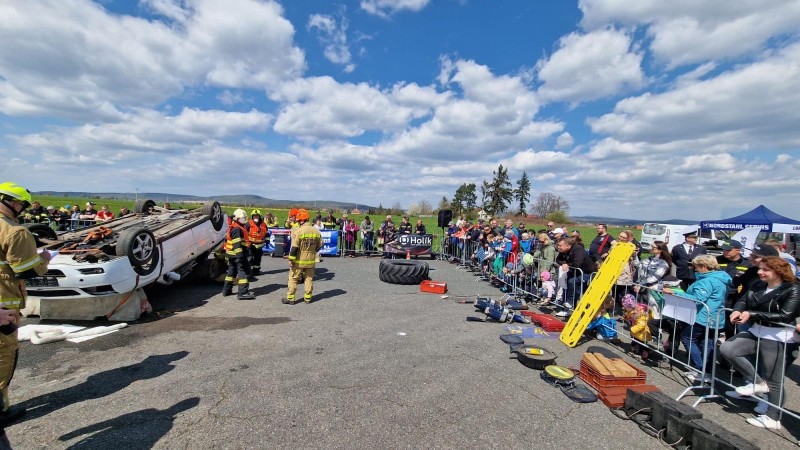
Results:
[143, 206]
[141, 248]
[403, 271]
[214, 213]
[41, 231]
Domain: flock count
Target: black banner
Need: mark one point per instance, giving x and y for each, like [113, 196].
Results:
[413, 244]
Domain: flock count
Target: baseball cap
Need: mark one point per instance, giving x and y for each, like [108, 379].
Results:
[732, 244]
[764, 250]
[89, 203]
[558, 231]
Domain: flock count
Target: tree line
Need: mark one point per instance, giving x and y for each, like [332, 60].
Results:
[499, 196]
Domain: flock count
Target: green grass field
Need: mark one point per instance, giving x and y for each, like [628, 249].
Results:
[587, 231]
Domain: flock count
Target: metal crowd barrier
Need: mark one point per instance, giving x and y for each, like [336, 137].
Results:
[785, 360]
[677, 316]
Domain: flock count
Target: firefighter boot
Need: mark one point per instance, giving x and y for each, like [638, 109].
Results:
[244, 292]
[227, 288]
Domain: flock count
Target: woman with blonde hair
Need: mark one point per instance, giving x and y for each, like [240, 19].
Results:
[709, 293]
[545, 255]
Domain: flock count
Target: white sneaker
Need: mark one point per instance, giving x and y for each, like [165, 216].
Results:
[761, 408]
[561, 313]
[695, 377]
[750, 398]
[763, 421]
[753, 389]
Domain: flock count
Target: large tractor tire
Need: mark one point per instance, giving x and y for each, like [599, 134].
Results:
[403, 271]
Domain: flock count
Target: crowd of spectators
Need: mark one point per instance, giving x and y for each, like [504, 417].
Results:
[72, 217]
[552, 267]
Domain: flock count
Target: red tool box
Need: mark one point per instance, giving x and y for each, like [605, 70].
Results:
[546, 321]
[434, 287]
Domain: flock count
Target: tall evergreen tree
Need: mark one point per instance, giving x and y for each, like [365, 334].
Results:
[500, 193]
[464, 198]
[523, 193]
[444, 203]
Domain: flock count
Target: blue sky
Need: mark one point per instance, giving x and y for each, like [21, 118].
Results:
[640, 109]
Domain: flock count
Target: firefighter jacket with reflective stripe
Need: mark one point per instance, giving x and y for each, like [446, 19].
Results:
[306, 242]
[236, 243]
[17, 255]
[256, 233]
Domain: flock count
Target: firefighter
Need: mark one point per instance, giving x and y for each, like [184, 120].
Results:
[236, 247]
[306, 242]
[257, 233]
[19, 260]
[271, 221]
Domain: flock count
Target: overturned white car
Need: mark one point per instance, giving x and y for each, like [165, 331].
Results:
[99, 272]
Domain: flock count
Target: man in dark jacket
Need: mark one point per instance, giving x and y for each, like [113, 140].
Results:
[574, 260]
[734, 264]
[684, 253]
[601, 244]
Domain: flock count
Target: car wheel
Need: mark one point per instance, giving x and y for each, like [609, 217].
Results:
[41, 231]
[139, 245]
[403, 271]
[214, 213]
[143, 206]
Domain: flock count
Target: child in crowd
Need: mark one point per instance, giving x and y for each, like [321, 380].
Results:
[547, 291]
[525, 243]
[640, 331]
[604, 325]
[628, 308]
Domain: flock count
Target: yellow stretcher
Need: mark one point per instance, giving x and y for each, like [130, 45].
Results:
[599, 288]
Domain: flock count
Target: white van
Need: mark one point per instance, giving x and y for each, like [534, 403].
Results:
[669, 233]
[673, 235]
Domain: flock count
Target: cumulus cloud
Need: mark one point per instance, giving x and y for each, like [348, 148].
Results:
[493, 115]
[753, 106]
[564, 140]
[144, 131]
[332, 34]
[590, 66]
[44, 68]
[686, 32]
[323, 108]
[386, 8]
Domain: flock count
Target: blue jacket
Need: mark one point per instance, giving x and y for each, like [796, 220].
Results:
[605, 325]
[710, 289]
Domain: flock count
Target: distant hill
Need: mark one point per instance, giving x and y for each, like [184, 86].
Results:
[616, 221]
[238, 200]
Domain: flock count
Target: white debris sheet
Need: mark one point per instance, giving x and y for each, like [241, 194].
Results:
[42, 334]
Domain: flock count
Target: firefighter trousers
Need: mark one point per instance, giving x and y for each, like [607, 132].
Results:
[8, 362]
[255, 260]
[296, 273]
[237, 268]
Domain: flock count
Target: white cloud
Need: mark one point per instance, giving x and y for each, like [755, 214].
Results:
[687, 31]
[332, 34]
[564, 140]
[386, 8]
[590, 66]
[494, 115]
[144, 131]
[45, 68]
[323, 108]
[229, 98]
[753, 106]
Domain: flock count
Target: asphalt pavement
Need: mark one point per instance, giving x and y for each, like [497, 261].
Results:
[366, 365]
